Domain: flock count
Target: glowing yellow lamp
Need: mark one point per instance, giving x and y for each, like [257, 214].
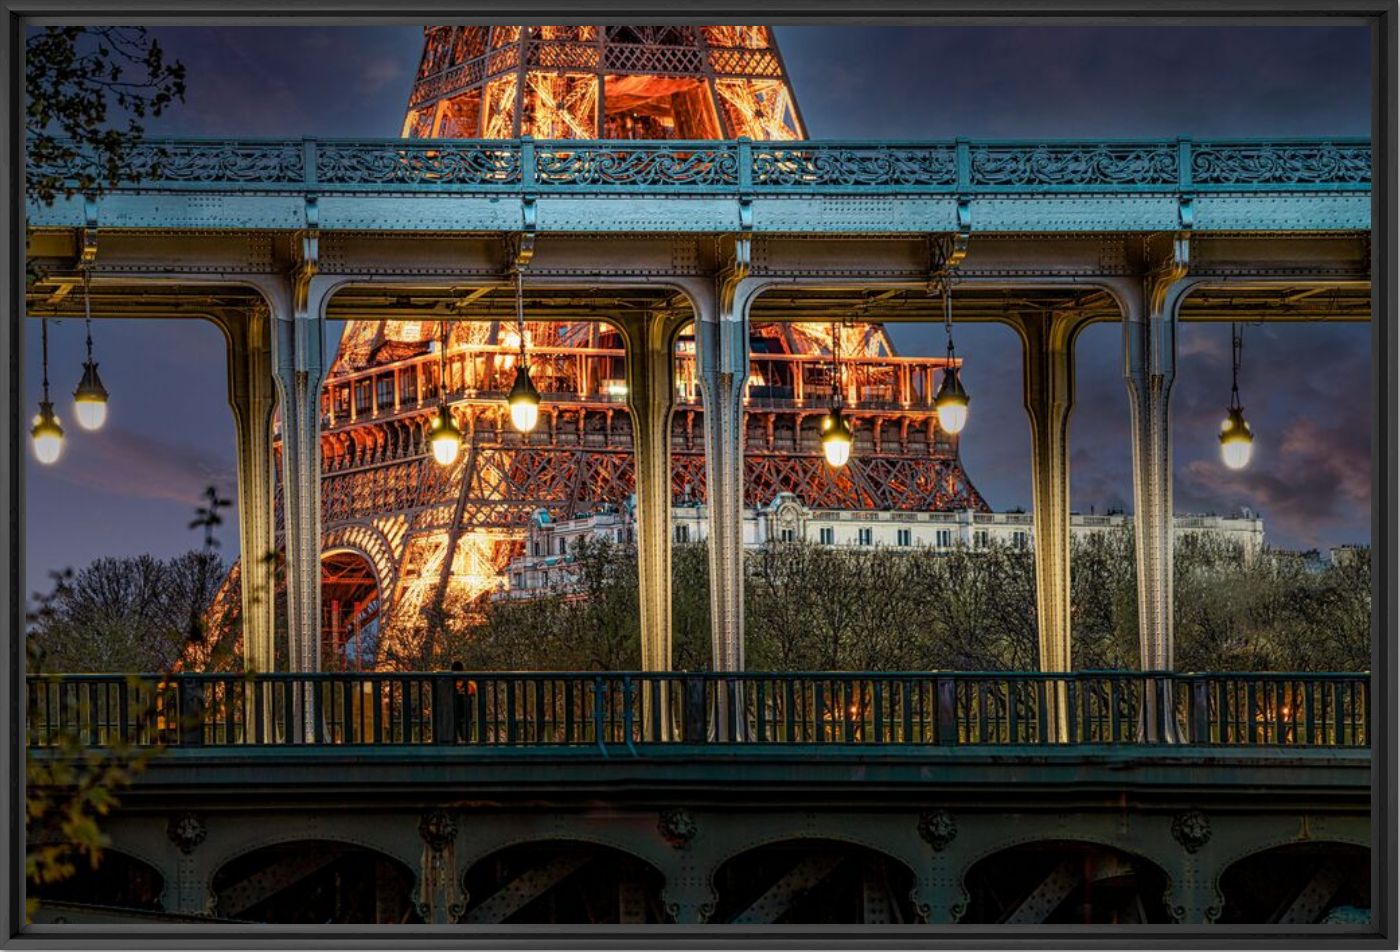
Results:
[47, 435]
[1236, 440]
[951, 402]
[445, 439]
[524, 401]
[836, 439]
[90, 399]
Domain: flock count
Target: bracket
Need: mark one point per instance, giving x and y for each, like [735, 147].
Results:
[520, 251]
[946, 253]
[733, 272]
[308, 262]
[88, 252]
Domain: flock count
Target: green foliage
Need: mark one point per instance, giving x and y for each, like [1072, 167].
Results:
[69, 786]
[812, 607]
[75, 78]
[117, 615]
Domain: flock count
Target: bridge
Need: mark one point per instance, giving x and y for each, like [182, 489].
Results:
[734, 796]
[902, 797]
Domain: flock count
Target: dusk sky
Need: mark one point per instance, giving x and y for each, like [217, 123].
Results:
[132, 487]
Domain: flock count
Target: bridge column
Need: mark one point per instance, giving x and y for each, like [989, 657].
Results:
[722, 344]
[1047, 342]
[252, 396]
[300, 362]
[1149, 367]
[650, 396]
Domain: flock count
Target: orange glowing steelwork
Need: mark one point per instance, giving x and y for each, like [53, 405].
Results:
[432, 532]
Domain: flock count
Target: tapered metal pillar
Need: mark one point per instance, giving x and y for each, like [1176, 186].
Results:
[300, 350]
[1149, 364]
[722, 344]
[1048, 366]
[252, 396]
[650, 397]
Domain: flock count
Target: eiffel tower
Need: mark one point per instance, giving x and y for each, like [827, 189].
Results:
[403, 534]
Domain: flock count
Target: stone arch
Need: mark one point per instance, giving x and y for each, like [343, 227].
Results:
[566, 879]
[121, 879]
[813, 880]
[1298, 881]
[290, 879]
[1070, 879]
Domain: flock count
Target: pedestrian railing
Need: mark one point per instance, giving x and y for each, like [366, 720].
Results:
[632, 711]
[737, 167]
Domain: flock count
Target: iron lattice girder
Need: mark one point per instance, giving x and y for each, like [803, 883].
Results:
[510, 484]
[809, 187]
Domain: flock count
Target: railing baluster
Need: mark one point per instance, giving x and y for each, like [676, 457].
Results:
[789, 715]
[840, 709]
[1339, 730]
[569, 711]
[539, 712]
[878, 705]
[760, 721]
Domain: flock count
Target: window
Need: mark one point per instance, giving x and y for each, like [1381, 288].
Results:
[786, 535]
[535, 548]
[945, 538]
[903, 537]
[863, 536]
[408, 385]
[384, 391]
[682, 534]
[979, 538]
[1018, 539]
[342, 401]
[827, 536]
[362, 401]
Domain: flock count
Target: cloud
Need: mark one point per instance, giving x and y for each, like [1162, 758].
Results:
[129, 463]
[1319, 477]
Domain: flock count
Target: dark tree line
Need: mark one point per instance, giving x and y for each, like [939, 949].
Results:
[811, 607]
[807, 608]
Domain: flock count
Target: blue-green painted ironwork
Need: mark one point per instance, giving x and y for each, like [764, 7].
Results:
[495, 710]
[964, 167]
[776, 188]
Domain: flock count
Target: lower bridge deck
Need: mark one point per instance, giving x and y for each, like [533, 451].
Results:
[1232, 813]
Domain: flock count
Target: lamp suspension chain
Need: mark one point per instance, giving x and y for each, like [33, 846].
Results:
[87, 307]
[44, 334]
[1236, 349]
[520, 310]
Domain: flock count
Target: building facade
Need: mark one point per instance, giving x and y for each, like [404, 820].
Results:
[547, 564]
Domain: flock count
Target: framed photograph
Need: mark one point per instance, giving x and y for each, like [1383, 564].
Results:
[914, 477]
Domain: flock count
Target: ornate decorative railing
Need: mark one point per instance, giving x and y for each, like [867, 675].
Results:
[741, 167]
[635, 711]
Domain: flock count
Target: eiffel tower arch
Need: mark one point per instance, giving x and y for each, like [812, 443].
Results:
[445, 534]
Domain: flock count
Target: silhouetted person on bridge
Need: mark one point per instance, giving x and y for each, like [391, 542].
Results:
[462, 690]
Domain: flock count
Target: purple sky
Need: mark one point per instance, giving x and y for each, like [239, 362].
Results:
[132, 487]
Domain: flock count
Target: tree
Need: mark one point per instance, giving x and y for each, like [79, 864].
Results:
[117, 615]
[75, 78]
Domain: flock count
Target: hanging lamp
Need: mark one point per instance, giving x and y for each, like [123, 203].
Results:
[523, 399]
[47, 434]
[90, 399]
[1236, 437]
[445, 438]
[836, 432]
[952, 399]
